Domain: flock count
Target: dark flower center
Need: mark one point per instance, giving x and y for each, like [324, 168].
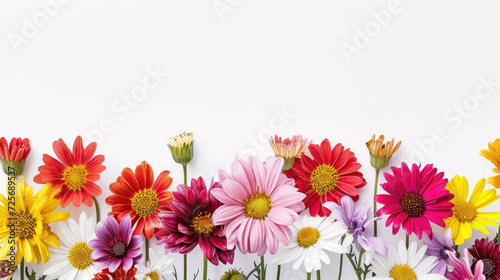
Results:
[413, 204]
[442, 253]
[119, 250]
[489, 268]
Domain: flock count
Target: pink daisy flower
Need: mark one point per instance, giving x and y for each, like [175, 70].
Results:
[415, 198]
[259, 203]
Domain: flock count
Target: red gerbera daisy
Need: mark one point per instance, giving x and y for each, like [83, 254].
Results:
[415, 199]
[75, 173]
[327, 176]
[142, 197]
[489, 254]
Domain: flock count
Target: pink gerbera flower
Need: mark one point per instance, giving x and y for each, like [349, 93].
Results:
[259, 203]
[415, 199]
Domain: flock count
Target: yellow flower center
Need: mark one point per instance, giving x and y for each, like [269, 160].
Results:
[413, 204]
[75, 177]
[308, 236]
[403, 272]
[465, 212]
[153, 275]
[79, 256]
[145, 203]
[324, 179]
[257, 206]
[203, 225]
[24, 225]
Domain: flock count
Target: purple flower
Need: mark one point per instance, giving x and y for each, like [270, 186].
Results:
[357, 220]
[438, 247]
[115, 245]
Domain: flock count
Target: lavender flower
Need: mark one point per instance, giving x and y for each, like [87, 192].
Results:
[357, 220]
[115, 245]
[438, 247]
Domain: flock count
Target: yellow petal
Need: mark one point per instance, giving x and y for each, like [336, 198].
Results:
[55, 217]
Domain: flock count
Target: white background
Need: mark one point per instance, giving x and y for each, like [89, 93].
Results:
[244, 70]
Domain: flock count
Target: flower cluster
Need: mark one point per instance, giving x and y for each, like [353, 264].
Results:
[300, 206]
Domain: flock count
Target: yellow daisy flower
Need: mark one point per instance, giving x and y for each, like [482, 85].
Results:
[465, 213]
[25, 222]
[493, 155]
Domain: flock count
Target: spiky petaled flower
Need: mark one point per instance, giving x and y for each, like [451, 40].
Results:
[439, 247]
[190, 223]
[181, 147]
[357, 219]
[72, 259]
[493, 154]
[259, 203]
[312, 238]
[115, 247]
[466, 214]
[380, 152]
[30, 217]
[13, 155]
[405, 264]
[289, 148]
[74, 174]
[489, 254]
[141, 197]
[415, 198]
[327, 176]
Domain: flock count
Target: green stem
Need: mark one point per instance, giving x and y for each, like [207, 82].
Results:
[262, 269]
[340, 267]
[147, 251]
[349, 256]
[205, 267]
[309, 276]
[377, 172]
[253, 270]
[184, 168]
[97, 213]
[407, 241]
[22, 269]
[279, 272]
[318, 274]
[185, 266]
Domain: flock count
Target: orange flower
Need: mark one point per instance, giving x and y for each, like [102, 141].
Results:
[493, 154]
[136, 194]
[74, 174]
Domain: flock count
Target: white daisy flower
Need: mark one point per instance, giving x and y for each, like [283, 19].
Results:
[72, 259]
[311, 237]
[154, 269]
[405, 264]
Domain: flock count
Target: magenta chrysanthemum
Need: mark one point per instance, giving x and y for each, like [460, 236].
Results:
[190, 223]
[415, 198]
[115, 245]
[259, 203]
